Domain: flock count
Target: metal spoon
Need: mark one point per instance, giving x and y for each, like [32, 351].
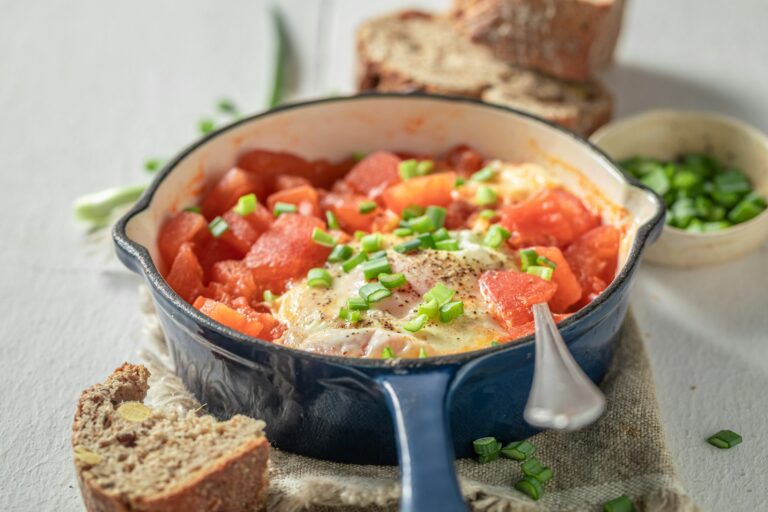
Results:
[562, 397]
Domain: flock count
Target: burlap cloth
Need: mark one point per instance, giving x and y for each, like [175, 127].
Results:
[623, 453]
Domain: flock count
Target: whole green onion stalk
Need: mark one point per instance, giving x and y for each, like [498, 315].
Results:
[97, 208]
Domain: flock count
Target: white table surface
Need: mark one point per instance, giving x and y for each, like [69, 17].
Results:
[90, 88]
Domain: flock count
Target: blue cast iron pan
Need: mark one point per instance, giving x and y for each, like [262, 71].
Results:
[421, 412]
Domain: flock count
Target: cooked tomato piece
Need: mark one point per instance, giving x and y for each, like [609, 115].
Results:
[593, 258]
[286, 181]
[260, 219]
[286, 251]
[184, 227]
[511, 295]
[250, 322]
[568, 287]
[186, 274]
[464, 159]
[346, 207]
[384, 221]
[374, 173]
[237, 279]
[270, 164]
[212, 251]
[519, 331]
[304, 197]
[240, 235]
[553, 217]
[458, 213]
[433, 189]
[224, 195]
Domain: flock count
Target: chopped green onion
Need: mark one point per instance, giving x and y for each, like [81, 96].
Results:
[320, 237]
[620, 504]
[422, 224]
[374, 292]
[451, 311]
[218, 227]
[683, 212]
[543, 272]
[333, 222]
[246, 205]
[495, 343]
[437, 214]
[153, 164]
[440, 234]
[340, 253]
[546, 262]
[206, 126]
[422, 353]
[408, 169]
[356, 304]
[366, 206]
[533, 467]
[319, 278]
[352, 316]
[685, 180]
[372, 268]
[725, 439]
[354, 261]
[447, 245]
[484, 174]
[281, 208]
[485, 196]
[732, 182]
[427, 242]
[530, 486]
[424, 167]
[412, 211]
[708, 227]
[193, 209]
[371, 243]
[487, 214]
[486, 446]
[392, 280]
[496, 236]
[227, 107]
[429, 308]
[376, 255]
[359, 155]
[459, 182]
[359, 234]
[409, 246]
[403, 232]
[98, 206]
[483, 459]
[657, 180]
[268, 296]
[283, 55]
[440, 293]
[745, 210]
[518, 450]
[528, 257]
[387, 353]
[416, 324]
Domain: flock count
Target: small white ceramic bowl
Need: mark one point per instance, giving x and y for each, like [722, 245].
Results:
[665, 134]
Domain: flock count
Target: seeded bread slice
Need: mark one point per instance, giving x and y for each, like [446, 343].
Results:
[415, 51]
[569, 39]
[132, 458]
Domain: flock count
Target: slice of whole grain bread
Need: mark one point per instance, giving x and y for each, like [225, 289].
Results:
[569, 39]
[414, 51]
[130, 457]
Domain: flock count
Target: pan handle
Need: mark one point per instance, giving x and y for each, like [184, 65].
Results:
[417, 402]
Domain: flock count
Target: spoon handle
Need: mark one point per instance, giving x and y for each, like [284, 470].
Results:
[562, 397]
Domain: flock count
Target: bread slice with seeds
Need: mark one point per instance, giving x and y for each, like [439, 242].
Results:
[416, 52]
[132, 458]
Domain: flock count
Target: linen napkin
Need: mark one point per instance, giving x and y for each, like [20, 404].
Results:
[622, 453]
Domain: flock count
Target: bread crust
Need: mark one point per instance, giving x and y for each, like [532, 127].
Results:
[568, 39]
[233, 482]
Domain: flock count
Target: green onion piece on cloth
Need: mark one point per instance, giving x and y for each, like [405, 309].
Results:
[725, 439]
[518, 450]
[620, 504]
[530, 486]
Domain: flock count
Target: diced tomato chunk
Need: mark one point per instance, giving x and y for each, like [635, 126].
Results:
[553, 217]
[213, 251]
[270, 164]
[519, 331]
[240, 235]
[458, 213]
[236, 277]
[286, 251]
[224, 195]
[433, 189]
[593, 258]
[464, 159]
[186, 274]
[184, 227]
[286, 181]
[304, 197]
[511, 295]
[374, 173]
[346, 207]
[243, 319]
[568, 287]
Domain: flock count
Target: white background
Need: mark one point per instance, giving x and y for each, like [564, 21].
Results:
[90, 88]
